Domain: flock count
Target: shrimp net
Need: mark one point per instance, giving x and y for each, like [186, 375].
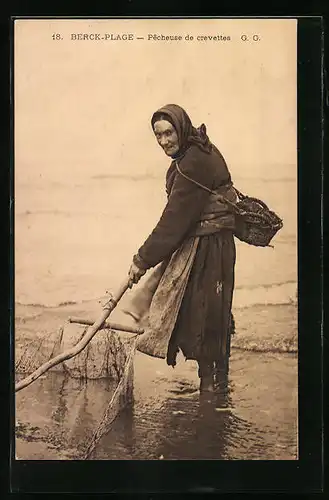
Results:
[77, 402]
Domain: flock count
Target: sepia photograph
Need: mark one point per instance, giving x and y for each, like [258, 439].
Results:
[155, 239]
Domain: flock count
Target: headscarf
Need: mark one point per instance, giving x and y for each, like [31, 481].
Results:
[187, 134]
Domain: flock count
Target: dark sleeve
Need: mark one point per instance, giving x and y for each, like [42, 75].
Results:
[184, 207]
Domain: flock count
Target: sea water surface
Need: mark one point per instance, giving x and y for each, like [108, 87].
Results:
[74, 240]
[253, 417]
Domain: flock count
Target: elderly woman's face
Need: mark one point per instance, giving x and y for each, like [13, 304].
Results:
[167, 137]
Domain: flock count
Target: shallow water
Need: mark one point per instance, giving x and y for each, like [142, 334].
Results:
[255, 419]
[57, 415]
[74, 241]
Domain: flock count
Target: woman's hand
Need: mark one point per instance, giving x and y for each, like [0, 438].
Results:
[135, 274]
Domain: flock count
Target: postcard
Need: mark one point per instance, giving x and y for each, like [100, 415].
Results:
[155, 169]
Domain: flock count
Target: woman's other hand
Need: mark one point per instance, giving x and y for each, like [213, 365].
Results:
[135, 274]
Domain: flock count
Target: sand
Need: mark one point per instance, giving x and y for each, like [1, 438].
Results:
[263, 382]
[260, 328]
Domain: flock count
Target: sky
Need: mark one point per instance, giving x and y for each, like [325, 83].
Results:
[83, 107]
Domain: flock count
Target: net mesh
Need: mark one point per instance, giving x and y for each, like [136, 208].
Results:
[108, 356]
[122, 396]
[103, 357]
[30, 353]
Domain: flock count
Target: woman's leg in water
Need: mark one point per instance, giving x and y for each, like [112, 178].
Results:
[206, 374]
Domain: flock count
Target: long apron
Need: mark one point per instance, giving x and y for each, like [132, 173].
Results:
[186, 302]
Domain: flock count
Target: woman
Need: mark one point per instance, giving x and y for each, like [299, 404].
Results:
[193, 243]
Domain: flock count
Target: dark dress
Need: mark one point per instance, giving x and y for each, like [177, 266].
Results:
[203, 326]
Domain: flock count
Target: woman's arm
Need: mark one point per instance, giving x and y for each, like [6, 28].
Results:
[184, 207]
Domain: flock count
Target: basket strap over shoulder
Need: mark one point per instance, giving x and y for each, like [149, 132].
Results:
[216, 195]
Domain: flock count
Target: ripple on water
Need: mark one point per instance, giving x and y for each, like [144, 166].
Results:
[253, 420]
[253, 417]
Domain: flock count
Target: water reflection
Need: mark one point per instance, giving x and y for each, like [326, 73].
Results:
[252, 415]
[185, 426]
[62, 412]
[248, 418]
[202, 427]
[120, 443]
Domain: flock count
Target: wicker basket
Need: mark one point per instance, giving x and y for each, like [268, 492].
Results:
[255, 223]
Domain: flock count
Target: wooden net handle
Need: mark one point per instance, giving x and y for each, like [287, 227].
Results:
[73, 351]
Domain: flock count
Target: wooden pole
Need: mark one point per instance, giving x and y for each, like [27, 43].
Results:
[73, 351]
[111, 326]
